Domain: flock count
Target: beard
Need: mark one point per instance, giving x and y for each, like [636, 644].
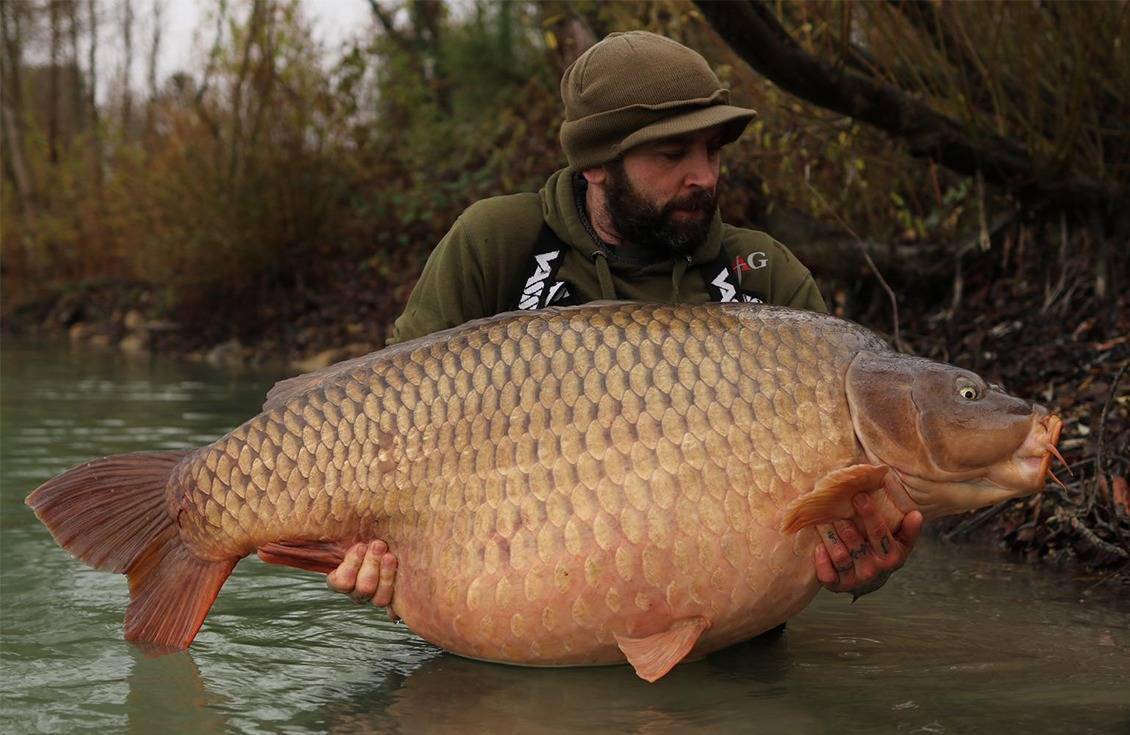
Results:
[642, 223]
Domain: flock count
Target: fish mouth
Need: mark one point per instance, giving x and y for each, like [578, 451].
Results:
[1033, 460]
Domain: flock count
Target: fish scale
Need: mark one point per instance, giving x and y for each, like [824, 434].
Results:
[558, 477]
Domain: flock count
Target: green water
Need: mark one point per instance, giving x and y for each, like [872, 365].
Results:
[959, 641]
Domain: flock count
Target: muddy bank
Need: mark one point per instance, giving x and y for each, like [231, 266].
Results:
[303, 332]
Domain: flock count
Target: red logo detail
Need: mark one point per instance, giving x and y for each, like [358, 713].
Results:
[740, 265]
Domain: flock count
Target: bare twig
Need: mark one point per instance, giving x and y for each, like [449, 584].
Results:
[958, 287]
[1051, 295]
[1093, 538]
[977, 520]
[982, 224]
[871, 264]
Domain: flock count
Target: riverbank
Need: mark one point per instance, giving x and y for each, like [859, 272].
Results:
[303, 331]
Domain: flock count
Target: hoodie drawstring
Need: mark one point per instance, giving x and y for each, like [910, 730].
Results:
[604, 275]
[677, 275]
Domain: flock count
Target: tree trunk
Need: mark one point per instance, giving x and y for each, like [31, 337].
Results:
[53, 83]
[199, 101]
[127, 66]
[13, 115]
[77, 108]
[427, 17]
[154, 51]
[92, 98]
[567, 34]
[422, 45]
[264, 79]
[254, 25]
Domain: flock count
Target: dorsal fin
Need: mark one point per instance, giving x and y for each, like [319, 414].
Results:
[603, 302]
[286, 390]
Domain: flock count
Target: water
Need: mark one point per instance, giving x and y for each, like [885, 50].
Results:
[959, 641]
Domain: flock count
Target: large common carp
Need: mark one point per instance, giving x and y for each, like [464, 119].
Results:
[573, 486]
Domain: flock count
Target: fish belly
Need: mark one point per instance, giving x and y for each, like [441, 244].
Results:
[566, 609]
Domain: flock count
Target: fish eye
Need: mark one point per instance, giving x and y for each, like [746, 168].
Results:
[968, 392]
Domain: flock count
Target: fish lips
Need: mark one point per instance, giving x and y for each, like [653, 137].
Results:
[1030, 465]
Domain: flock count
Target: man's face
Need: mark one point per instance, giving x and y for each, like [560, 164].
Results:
[663, 194]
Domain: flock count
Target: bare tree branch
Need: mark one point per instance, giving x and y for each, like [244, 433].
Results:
[389, 27]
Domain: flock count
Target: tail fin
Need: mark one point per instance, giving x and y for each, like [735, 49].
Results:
[112, 514]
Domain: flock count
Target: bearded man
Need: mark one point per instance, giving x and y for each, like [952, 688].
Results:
[633, 217]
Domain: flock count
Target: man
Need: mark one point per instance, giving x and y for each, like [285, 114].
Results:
[634, 217]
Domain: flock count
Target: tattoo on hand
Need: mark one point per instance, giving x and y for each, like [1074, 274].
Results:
[886, 544]
[832, 537]
[860, 552]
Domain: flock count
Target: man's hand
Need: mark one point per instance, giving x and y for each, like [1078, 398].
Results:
[851, 560]
[367, 574]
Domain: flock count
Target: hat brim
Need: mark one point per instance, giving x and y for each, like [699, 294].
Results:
[733, 119]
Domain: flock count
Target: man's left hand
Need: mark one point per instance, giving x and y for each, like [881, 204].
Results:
[859, 555]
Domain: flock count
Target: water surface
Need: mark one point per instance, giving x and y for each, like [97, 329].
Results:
[962, 640]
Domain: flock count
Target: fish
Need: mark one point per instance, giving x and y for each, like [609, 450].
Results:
[575, 486]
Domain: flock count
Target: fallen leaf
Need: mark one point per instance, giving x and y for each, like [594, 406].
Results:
[1121, 493]
[1103, 346]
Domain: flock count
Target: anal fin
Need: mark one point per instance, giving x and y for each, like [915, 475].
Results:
[313, 556]
[830, 500]
[655, 655]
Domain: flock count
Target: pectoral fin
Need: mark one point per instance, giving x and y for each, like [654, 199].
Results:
[652, 657]
[830, 500]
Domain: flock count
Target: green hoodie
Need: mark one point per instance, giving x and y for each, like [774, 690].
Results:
[479, 267]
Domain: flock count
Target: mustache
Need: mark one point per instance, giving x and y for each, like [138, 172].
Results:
[698, 200]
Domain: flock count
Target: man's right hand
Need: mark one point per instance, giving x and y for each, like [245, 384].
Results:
[367, 574]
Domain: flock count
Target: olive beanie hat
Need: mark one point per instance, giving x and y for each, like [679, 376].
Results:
[637, 87]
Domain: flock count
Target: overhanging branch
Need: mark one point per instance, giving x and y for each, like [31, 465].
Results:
[755, 33]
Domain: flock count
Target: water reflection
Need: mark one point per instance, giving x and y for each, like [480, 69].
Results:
[450, 694]
[167, 695]
[445, 693]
